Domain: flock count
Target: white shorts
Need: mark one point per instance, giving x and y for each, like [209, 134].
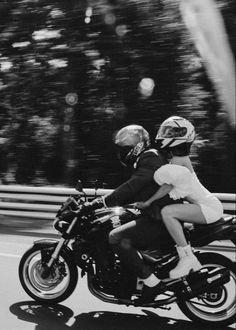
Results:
[213, 210]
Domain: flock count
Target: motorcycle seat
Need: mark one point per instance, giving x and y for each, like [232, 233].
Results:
[201, 234]
[225, 219]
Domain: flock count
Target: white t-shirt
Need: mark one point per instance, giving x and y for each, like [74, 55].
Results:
[185, 183]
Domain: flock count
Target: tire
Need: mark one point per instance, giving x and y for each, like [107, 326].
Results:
[57, 287]
[218, 307]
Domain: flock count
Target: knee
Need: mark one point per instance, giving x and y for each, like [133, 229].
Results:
[166, 213]
[114, 237]
[126, 244]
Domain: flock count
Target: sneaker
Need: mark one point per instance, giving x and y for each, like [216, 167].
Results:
[185, 265]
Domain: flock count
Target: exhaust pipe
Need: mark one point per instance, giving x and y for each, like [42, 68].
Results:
[201, 282]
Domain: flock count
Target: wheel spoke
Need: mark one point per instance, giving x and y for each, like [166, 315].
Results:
[209, 306]
[197, 303]
[217, 306]
[52, 286]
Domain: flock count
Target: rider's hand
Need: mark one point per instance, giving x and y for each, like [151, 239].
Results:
[141, 205]
[88, 207]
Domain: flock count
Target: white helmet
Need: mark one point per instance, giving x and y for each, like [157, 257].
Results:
[131, 141]
[175, 131]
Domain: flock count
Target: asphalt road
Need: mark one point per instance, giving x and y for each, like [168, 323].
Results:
[81, 311]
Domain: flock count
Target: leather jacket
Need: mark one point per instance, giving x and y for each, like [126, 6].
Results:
[141, 185]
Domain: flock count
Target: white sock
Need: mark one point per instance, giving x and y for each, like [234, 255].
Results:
[151, 281]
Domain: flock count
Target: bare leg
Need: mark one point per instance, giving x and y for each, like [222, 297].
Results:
[173, 214]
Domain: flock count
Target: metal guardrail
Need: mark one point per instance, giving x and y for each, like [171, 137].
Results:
[37, 202]
[43, 202]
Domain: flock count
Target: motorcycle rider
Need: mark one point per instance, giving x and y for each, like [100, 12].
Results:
[134, 150]
[178, 179]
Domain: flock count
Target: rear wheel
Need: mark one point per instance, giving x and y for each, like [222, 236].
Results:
[59, 283]
[218, 306]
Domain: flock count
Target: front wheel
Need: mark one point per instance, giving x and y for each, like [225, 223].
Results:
[218, 306]
[59, 283]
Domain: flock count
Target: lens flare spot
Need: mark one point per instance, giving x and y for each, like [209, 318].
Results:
[146, 87]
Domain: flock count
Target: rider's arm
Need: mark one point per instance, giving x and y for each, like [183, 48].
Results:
[142, 177]
[161, 192]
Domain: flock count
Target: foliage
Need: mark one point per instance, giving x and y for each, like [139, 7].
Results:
[101, 50]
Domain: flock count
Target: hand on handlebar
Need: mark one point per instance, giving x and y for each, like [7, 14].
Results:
[88, 207]
[141, 205]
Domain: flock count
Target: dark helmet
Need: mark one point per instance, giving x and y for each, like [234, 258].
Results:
[131, 141]
[175, 134]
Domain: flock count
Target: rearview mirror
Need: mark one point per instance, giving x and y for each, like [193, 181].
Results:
[79, 186]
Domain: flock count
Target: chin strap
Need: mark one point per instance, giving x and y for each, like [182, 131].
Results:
[138, 149]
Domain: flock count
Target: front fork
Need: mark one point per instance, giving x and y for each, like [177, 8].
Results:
[64, 240]
[56, 252]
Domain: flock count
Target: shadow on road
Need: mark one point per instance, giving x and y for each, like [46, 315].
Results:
[45, 317]
[59, 317]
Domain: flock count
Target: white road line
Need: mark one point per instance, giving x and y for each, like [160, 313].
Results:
[10, 255]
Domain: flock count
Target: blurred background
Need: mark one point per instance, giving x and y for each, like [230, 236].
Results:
[73, 72]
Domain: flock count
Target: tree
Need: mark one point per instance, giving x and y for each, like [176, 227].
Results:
[105, 52]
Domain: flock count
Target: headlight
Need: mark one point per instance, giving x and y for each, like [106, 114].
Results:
[118, 210]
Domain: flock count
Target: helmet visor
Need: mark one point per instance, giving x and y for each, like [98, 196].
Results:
[122, 153]
[171, 132]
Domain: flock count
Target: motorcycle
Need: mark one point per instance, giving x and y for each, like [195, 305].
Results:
[48, 271]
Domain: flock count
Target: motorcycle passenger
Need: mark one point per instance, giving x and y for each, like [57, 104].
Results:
[179, 180]
[133, 148]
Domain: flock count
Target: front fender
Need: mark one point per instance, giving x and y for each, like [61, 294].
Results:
[51, 243]
[45, 243]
